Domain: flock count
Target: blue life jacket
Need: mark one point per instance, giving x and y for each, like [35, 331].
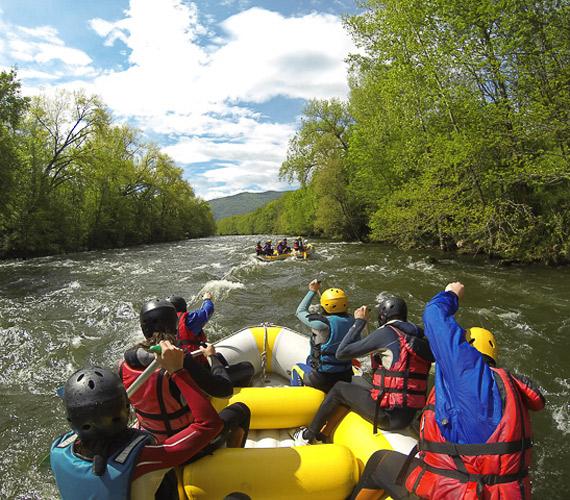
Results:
[323, 356]
[74, 475]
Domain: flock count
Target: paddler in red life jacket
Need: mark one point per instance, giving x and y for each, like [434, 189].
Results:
[191, 324]
[400, 358]
[158, 405]
[298, 244]
[258, 248]
[475, 431]
[102, 458]
[241, 373]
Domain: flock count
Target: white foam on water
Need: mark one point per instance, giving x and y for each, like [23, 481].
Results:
[216, 265]
[564, 382]
[125, 310]
[561, 416]
[512, 315]
[71, 286]
[76, 341]
[142, 270]
[420, 265]
[200, 267]
[220, 288]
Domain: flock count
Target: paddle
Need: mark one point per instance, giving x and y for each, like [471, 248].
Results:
[134, 387]
[143, 377]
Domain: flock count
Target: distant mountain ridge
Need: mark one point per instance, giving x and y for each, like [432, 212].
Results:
[241, 203]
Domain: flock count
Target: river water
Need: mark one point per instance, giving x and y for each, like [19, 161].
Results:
[58, 314]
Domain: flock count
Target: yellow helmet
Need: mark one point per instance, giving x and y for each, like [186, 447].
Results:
[482, 340]
[334, 300]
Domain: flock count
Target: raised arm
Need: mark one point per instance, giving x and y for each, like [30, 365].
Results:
[196, 320]
[303, 313]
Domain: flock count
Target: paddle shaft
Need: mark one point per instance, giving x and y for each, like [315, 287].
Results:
[143, 377]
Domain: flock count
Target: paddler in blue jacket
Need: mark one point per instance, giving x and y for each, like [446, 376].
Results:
[268, 248]
[322, 370]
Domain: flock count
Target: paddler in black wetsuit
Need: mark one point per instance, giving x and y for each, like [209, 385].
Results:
[401, 360]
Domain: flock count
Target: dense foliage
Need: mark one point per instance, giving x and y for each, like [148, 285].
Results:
[456, 133]
[71, 180]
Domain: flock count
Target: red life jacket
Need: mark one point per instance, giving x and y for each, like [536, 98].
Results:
[156, 409]
[404, 385]
[493, 470]
[188, 340]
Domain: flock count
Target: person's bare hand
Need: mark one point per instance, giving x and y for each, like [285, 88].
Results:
[362, 313]
[209, 350]
[171, 358]
[315, 285]
[207, 296]
[457, 288]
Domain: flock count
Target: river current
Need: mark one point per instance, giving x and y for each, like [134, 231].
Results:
[58, 314]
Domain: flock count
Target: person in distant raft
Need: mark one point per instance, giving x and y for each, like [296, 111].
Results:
[191, 336]
[298, 244]
[475, 432]
[158, 404]
[322, 370]
[267, 248]
[282, 247]
[258, 248]
[400, 359]
[102, 457]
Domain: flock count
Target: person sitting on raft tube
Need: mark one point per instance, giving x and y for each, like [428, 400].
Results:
[258, 248]
[267, 248]
[322, 369]
[282, 247]
[102, 457]
[189, 323]
[475, 432]
[298, 244]
[400, 359]
[158, 404]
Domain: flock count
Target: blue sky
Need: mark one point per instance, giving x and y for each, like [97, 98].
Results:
[219, 85]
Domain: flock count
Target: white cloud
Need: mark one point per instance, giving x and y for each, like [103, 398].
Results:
[198, 87]
[40, 45]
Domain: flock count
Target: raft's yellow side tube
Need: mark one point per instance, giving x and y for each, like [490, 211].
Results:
[323, 472]
[276, 407]
[357, 434]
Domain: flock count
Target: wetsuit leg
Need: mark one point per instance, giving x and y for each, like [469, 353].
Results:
[241, 374]
[168, 489]
[236, 419]
[356, 397]
[379, 477]
[325, 381]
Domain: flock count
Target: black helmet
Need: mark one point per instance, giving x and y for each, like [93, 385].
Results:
[392, 307]
[96, 403]
[179, 303]
[158, 316]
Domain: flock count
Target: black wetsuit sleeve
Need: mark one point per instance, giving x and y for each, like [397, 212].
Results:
[353, 346]
[214, 382]
[138, 358]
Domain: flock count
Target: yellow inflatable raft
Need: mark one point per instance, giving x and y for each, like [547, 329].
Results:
[270, 467]
[304, 255]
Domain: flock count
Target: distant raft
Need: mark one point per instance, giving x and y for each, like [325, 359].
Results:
[270, 466]
[301, 255]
